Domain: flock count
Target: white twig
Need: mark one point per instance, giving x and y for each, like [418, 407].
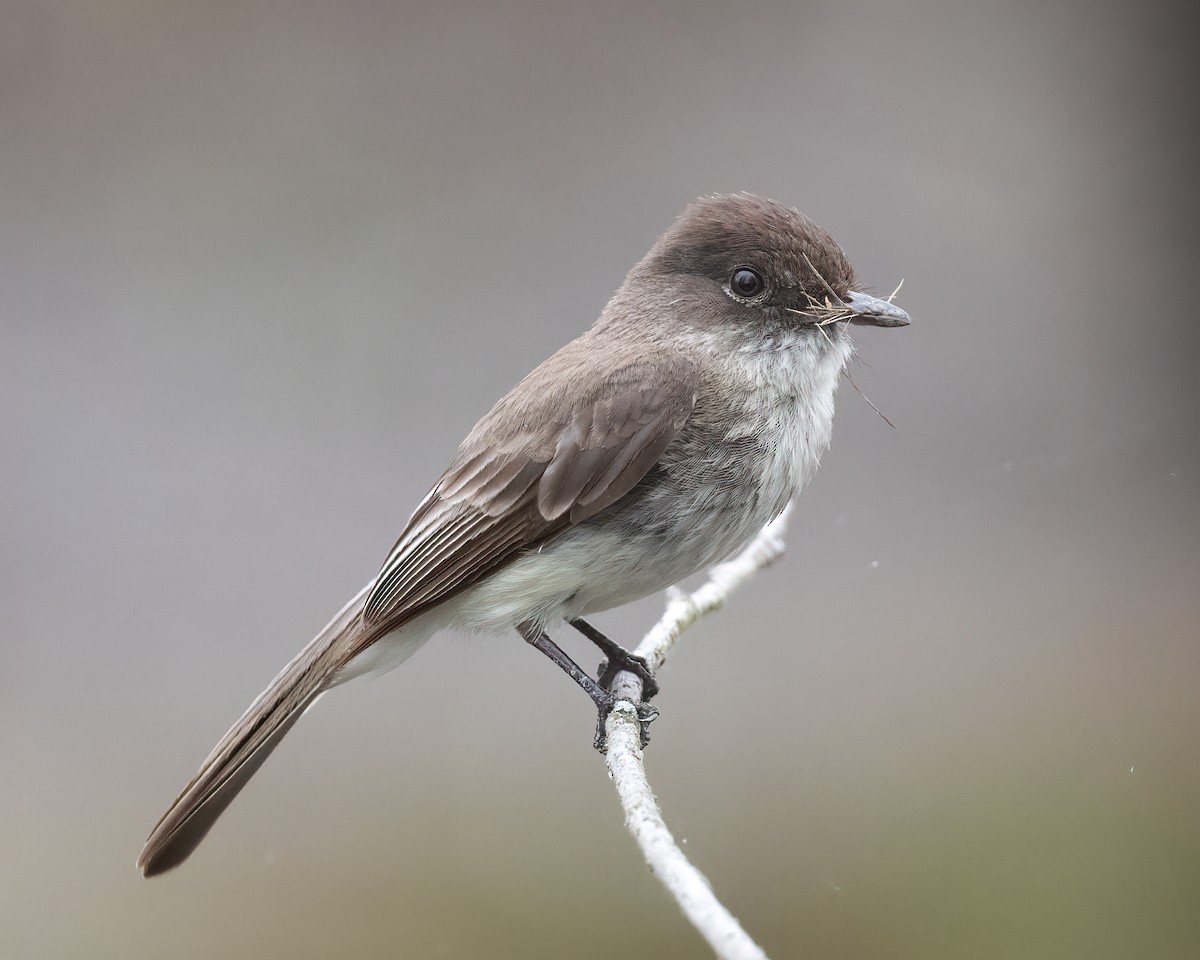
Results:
[642, 815]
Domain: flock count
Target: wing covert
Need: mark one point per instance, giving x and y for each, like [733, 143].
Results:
[527, 471]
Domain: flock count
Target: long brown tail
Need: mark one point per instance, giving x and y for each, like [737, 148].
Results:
[250, 741]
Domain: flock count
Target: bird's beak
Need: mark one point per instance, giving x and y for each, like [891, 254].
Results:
[874, 312]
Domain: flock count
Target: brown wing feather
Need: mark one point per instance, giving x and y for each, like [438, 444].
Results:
[531, 468]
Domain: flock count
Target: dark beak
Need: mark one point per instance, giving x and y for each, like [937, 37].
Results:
[875, 312]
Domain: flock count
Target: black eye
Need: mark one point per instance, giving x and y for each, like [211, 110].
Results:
[746, 282]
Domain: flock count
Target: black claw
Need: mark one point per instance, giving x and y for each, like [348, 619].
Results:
[631, 663]
[645, 714]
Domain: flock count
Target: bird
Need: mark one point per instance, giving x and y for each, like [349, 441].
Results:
[657, 443]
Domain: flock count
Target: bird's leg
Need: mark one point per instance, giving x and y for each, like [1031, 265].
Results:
[604, 700]
[618, 659]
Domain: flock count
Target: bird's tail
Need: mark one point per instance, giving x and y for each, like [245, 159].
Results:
[250, 741]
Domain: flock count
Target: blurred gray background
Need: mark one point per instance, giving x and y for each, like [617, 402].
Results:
[262, 265]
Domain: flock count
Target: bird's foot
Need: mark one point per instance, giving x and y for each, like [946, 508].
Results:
[617, 660]
[621, 660]
[645, 714]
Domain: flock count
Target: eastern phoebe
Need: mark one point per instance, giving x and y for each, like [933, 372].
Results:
[653, 446]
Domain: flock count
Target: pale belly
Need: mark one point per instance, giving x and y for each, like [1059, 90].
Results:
[664, 531]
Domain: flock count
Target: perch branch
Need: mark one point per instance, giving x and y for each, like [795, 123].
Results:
[642, 814]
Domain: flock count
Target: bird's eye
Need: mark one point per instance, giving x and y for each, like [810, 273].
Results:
[746, 283]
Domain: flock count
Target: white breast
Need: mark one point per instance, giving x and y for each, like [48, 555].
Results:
[791, 385]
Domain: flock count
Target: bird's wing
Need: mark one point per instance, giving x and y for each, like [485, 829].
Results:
[530, 469]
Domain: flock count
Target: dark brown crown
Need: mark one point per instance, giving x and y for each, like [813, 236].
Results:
[717, 234]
